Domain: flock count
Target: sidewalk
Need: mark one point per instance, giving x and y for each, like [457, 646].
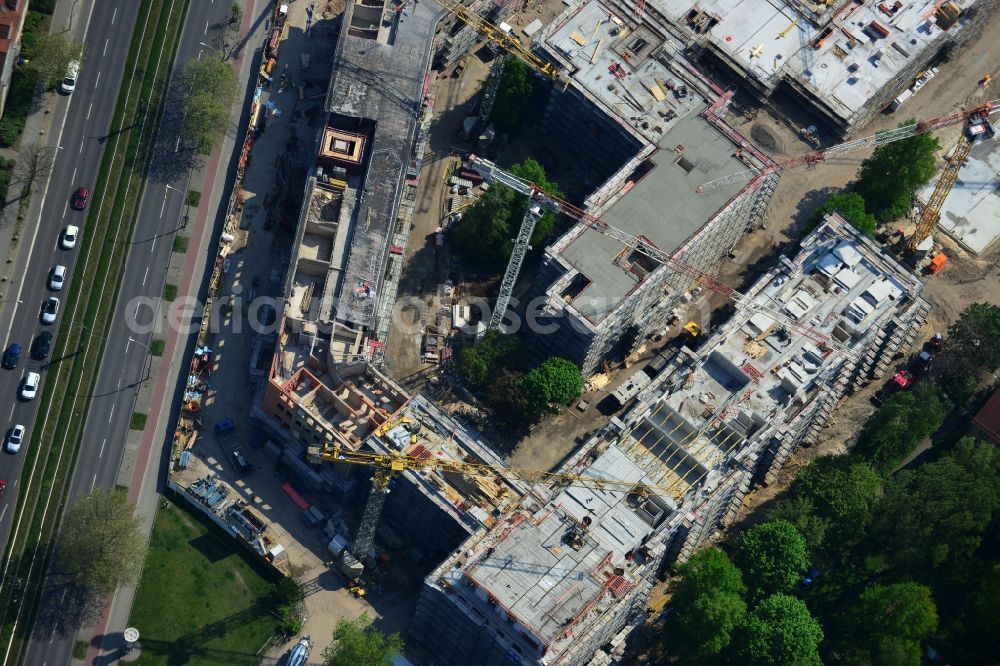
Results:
[143, 463]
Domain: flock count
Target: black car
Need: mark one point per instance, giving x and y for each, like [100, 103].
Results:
[11, 356]
[43, 343]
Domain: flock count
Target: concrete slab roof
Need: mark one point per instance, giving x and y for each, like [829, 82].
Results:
[663, 206]
[971, 213]
[380, 80]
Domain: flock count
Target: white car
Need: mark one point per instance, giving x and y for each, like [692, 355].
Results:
[69, 236]
[57, 277]
[49, 310]
[68, 84]
[14, 438]
[29, 385]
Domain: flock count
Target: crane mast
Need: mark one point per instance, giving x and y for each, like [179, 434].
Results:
[493, 173]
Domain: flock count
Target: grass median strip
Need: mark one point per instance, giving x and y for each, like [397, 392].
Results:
[54, 444]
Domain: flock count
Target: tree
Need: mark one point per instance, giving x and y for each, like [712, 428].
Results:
[972, 349]
[101, 545]
[850, 206]
[932, 518]
[708, 606]
[357, 643]
[52, 56]
[781, 631]
[479, 364]
[514, 96]
[772, 556]
[889, 178]
[489, 226]
[211, 85]
[34, 165]
[842, 492]
[889, 620]
[508, 401]
[893, 431]
[800, 512]
[556, 380]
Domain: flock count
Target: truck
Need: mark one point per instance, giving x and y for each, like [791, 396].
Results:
[901, 381]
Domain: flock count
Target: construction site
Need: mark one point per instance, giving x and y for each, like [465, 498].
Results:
[540, 564]
[568, 570]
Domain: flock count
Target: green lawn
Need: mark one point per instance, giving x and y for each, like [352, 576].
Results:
[199, 601]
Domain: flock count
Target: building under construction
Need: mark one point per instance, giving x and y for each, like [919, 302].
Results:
[654, 133]
[843, 61]
[567, 572]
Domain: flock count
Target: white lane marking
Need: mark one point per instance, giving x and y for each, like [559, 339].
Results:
[82, 144]
[164, 204]
[3, 513]
[177, 144]
[199, 54]
[206, 27]
[133, 316]
[102, 447]
[65, 208]
[112, 412]
[89, 109]
[11, 412]
[105, 46]
[98, 81]
[72, 178]
[114, 15]
[94, 482]
[152, 245]
[144, 275]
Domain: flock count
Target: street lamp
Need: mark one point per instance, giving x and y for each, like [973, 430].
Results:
[223, 55]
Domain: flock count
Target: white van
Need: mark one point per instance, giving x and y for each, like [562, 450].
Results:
[69, 83]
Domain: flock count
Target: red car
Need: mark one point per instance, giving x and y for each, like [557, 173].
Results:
[3, 487]
[80, 198]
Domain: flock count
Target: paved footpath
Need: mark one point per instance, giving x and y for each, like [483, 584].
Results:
[147, 451]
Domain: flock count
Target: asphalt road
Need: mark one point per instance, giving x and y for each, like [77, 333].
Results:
[81, 126]
[125, 364]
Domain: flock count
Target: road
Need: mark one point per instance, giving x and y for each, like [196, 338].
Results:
[80, 127]
[125, 364]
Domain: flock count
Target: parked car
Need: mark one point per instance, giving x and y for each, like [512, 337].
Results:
[43, 343]
[14, 438]
[29, 385]
[69, 235]
[68, 84]
[80, 198]
[11, 356]
[57, 277]
[49, 310]
[240, 460]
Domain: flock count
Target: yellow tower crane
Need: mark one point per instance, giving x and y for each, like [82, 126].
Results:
[388, 465]
[504, 40]
[977, 127]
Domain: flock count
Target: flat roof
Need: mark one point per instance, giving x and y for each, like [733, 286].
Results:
[381, 80]
[971, 213]
[663, 207]
[542, 579]
[642, 92]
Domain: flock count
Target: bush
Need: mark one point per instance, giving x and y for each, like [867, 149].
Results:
[43, 6]
[6, 170]
[10, 131]
[193, 198]
[138, 421]
[180, 244]
[170, 292]
[156, 347]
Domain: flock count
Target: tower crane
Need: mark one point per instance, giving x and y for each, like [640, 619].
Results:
[504, 40]
[977, 126]
[874, 141]
[388, 465]
[537, 197]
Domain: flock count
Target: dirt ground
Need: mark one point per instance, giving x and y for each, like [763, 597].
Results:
[967, 279]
